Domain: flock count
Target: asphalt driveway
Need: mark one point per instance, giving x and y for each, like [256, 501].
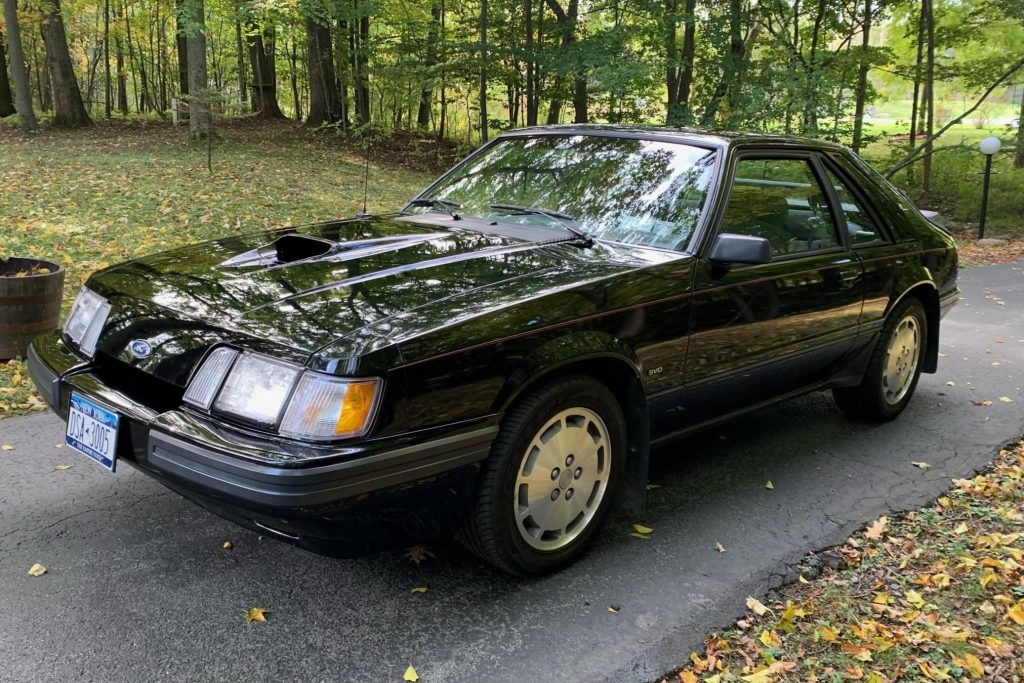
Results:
[140, 588]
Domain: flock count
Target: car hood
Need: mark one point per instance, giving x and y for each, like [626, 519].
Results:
[294, 291]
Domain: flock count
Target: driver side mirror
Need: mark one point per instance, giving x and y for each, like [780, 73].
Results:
[729, 248]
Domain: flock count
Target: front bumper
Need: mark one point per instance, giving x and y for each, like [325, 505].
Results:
[353, 499]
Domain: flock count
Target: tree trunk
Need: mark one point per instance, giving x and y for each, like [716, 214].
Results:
[730, 64]
[862, 79]
[686, 61]
[180, 35]
[294, 59]
[323, 90]
[483, 71]
[427, 93]
[108, 88]
[69, 110]
[6, 96]
[359, 37]
[568, 19]
[199, 104]
[929, 94]
[341, 69]
[22, 96]
[262, 51]
[243, 96]
[1018, 152]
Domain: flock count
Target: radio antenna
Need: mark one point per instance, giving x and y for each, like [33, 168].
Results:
[366, 172]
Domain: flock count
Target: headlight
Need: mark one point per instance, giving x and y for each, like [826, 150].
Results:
[86, 320]
[325, 407]
[301, 404]
[256, 389]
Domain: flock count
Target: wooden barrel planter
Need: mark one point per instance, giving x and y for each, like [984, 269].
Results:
[31, 292]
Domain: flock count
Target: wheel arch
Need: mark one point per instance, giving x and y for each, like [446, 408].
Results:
[928, 294]
[615, 365]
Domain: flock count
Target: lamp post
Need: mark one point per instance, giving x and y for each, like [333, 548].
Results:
[989, 147]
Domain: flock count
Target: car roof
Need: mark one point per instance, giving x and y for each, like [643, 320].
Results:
[696, 135]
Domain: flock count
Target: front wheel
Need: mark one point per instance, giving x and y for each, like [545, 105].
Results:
[894, 367]
[545, 489]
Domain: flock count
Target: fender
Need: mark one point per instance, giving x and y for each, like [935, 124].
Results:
[614, 363]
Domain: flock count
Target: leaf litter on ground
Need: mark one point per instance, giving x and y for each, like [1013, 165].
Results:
[935, 594]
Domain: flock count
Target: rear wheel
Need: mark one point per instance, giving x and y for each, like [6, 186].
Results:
[545, 489]
[894, 368]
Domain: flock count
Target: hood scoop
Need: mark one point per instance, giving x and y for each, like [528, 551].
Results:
[296, 247]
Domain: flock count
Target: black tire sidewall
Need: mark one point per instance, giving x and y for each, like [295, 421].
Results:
[885, 409]
[519, 429]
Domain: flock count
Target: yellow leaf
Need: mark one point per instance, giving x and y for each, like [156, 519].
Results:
[801, 579]
[1006, 399]
[827, 634]
[228, 545]
[940, 580]
[931, 671]
[688, 677]
[921, 465]
[36, 570]
[255, 614]
[755, 606]
[915, 599]
[875, 531]
[419, 589]
[960, 528]
[641, 529]
[61, 468]
[770, 639]
[410, 675]
[719, 547]
[770, 486]
[971, 664]
[1016, 613]
[7, 447]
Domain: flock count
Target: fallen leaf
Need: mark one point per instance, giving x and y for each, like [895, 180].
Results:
[228, 545]
[7, 447]
[1006, 399]
[36, 570]
[614, 609]
[719, 547]
[651, 487]
[983, 404]
[971, 663]
[61, 468]
[770, 486]
[915, 599]
[950, 384]
[801, 579]
[418, 554]
[641, 529]
[960, 528]
[875, 530]
[755, 606]
[770, 638]
[255, 614]
[688, 677]
[419, 589]
[1016, 613]
[410, 675]
[921, 465]
[646, 537]
[827, 634]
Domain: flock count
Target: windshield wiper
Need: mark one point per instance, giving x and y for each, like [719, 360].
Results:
[556, 216]
[445, 205]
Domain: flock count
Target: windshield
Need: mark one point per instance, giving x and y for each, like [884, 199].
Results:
[621, 189]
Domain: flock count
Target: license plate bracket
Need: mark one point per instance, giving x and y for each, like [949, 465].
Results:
[92, 431]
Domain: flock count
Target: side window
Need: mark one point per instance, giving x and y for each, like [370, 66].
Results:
[859, 223]
[782, 201]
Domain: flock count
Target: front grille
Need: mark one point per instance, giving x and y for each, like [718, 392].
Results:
[137, 385]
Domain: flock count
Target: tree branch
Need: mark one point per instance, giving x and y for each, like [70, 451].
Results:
[916, 152]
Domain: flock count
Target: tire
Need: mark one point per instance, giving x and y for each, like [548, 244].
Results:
[530, 515]
[893, 369]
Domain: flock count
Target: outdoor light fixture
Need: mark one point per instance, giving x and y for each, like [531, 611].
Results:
[989, 147]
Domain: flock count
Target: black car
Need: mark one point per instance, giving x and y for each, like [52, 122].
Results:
[498, 358]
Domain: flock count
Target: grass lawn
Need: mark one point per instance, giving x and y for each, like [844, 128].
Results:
[90, 198]
[931, 595]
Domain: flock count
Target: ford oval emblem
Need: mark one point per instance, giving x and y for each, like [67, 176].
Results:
[140, 348]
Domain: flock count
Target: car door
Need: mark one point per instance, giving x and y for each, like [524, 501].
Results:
[760, 331]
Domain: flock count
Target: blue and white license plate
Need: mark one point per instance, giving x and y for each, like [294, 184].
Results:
[92, 431]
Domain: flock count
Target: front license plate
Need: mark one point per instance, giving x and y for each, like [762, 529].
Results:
[92, 431]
